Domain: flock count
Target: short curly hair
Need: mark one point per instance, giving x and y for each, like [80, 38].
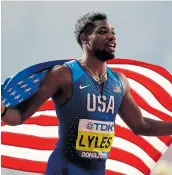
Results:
[87, 20]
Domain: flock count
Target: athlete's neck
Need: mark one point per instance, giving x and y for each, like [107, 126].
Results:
[97, 67]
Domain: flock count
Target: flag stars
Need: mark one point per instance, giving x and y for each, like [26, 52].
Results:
[13, 93]
[31, 76]
[9, 90]
[27, 90]
[21, 100]
[4, 100]
[36, 80]
[17, 97]
[8, 104]
[23, 86]
[20, 82]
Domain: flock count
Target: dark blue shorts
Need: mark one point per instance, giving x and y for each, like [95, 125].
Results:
[58, 165]
[71, 170]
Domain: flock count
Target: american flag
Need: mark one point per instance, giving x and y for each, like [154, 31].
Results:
[27, 147]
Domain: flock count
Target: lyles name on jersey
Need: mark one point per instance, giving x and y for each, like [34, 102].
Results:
[100, 103]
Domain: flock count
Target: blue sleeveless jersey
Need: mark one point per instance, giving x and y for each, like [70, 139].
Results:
[86, 120]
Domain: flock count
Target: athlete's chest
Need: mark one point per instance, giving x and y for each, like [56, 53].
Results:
[97, 98]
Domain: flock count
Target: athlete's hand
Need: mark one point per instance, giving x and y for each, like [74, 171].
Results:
[2, 107]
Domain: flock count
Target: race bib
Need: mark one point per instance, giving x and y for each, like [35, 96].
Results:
[95, 138]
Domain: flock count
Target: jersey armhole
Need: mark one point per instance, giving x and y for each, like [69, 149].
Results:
[119, 80]
[72, 78]
[121, 85]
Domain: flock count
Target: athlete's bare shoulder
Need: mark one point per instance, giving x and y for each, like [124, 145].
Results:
[61, 69]
[61, 80]
[57, 77]
[60, 73]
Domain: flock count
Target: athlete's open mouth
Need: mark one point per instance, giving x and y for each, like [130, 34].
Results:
[111, 47]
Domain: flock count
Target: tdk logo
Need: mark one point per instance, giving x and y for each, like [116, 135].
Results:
[100, 126]
[90, 126]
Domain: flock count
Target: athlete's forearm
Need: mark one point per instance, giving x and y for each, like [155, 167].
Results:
[156, 128]
[12, 117]
[17, 115]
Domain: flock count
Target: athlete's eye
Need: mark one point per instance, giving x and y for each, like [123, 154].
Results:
[102, 32]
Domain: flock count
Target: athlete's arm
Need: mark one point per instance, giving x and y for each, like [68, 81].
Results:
[51, 85]
[132, 116]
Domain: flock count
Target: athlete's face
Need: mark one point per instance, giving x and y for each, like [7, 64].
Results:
[102, 40]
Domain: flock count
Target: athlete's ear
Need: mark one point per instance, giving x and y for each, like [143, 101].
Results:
[84, 38]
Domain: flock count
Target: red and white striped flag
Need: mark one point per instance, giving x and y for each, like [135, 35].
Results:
[27, 147]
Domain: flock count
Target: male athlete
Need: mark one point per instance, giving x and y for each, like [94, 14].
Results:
[87, 96]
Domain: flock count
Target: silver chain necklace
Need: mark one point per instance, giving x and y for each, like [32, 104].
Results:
[99, 80]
